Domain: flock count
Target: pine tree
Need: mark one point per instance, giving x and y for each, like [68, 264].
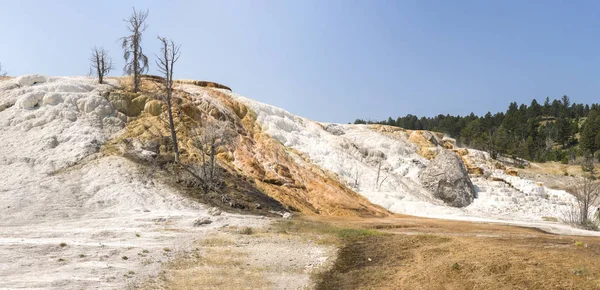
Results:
[591, 130]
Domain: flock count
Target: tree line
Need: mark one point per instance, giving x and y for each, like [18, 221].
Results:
[556, 130]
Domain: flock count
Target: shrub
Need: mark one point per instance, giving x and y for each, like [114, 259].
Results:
[247, 231]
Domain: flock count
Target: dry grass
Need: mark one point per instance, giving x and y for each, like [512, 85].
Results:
[217, 267]
[323, 232]
[555, 168]
[213, 264]
[425, 254]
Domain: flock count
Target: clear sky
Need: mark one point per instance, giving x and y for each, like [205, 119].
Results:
[335, 60]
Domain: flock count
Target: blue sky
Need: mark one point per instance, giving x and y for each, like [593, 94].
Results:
[335, 60]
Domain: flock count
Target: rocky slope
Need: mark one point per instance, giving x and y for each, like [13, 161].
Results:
[87, 177]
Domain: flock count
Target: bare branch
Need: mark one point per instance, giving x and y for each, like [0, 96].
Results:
[587, 193]
[214, 135]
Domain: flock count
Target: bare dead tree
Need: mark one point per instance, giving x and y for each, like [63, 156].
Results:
[214, 134]
[136, 63]
[587, 163]
[2, 73]
[167, 59]
[356, 180]
[587, 193]
[101, 63]
[378, 172]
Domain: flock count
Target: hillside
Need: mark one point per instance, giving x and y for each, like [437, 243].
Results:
[90, 193]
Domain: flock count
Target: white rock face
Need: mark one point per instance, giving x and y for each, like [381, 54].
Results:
[354, 153]
[515, 198]
[54, 189]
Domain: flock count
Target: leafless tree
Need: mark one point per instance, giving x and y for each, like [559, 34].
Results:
[587, 193]
[101, 63]
[167, 59]
[136, 63]
[2, 73]
[587, 163]
[214, 134]
[356, 183]
[377, 183]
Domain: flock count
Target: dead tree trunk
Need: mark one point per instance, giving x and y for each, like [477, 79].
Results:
[169, 55]
[136, 63]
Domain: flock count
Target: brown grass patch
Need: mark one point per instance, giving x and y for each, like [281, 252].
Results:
[214, 268]
[461, 255]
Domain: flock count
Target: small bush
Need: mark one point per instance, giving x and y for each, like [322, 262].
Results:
[63, 244]
[81, 256]
[145, 251]
[455, 266]
[125, 258]
[137, 235]
[579, 244]
[247, 231]
[549, 219]
[166, 249]
[581, 271]
[61, 260]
